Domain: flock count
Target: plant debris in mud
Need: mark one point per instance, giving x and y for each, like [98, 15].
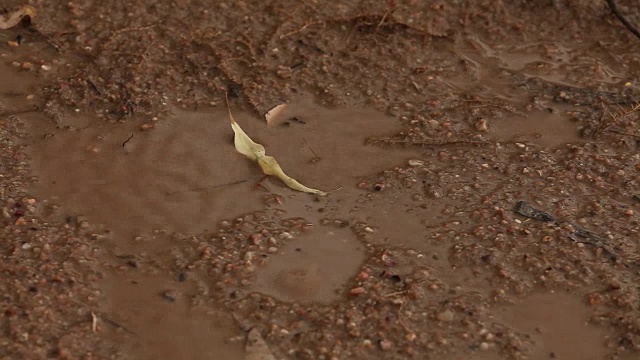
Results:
[614, 8]
[25, 13]
[525, 209]
[256, 152]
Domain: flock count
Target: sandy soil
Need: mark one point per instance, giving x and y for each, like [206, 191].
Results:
[481, 158]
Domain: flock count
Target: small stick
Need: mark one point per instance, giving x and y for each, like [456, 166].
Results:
[94, 322]
[317, 158]
[300, 29]
[117, 325]
[259, 183]
[94, 87]
[126, 141]
[16, 112]
[390, 10]
[623, 20]
[616, 131]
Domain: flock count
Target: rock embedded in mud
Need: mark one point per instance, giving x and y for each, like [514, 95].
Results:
[363, 275]
[170, 295]
[386, 344]
[482, 125]
[445, 316]
[357, 290]
[256, 347]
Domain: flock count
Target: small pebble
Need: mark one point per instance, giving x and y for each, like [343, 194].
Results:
[445, 316]
[481, 125]
[386, 344]
[357, 290]
[256, 239]
[169, 295]
[414, 162]
[363, 275]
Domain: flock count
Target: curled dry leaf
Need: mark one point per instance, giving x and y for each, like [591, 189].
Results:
[256, 152]
[276, 115]
[13, 18]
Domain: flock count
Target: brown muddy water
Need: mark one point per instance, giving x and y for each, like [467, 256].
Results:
[185, 176]
[559, 326]
[136, 187]
[135, 225]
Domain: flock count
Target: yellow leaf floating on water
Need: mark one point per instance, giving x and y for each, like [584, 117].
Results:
[13, 18]
[256, 152]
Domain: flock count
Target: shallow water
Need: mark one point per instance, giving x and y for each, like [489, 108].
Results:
[312, 267]
[557, 325]
[185, 175]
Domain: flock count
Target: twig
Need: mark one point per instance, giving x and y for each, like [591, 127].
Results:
[94, 322]
[126, 141]
[604, 125]
[104, 317]
[623, 20]
[124, 30]
[503, 107]
[300, 29]
[434, 142]
[16, 112]
[94, 87]
[317, 158]
[390, 10]
[117, 325]
[616, 131]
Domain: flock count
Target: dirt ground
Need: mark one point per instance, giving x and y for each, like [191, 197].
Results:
[481, 160]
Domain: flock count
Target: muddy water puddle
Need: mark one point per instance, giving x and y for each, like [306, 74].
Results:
[181, 176]
[312, 267]
[546, 128]
[164, 325]
[557, 325]
[185, 176]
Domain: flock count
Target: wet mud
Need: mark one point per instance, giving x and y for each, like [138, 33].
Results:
[132, 228]
[559, 325]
